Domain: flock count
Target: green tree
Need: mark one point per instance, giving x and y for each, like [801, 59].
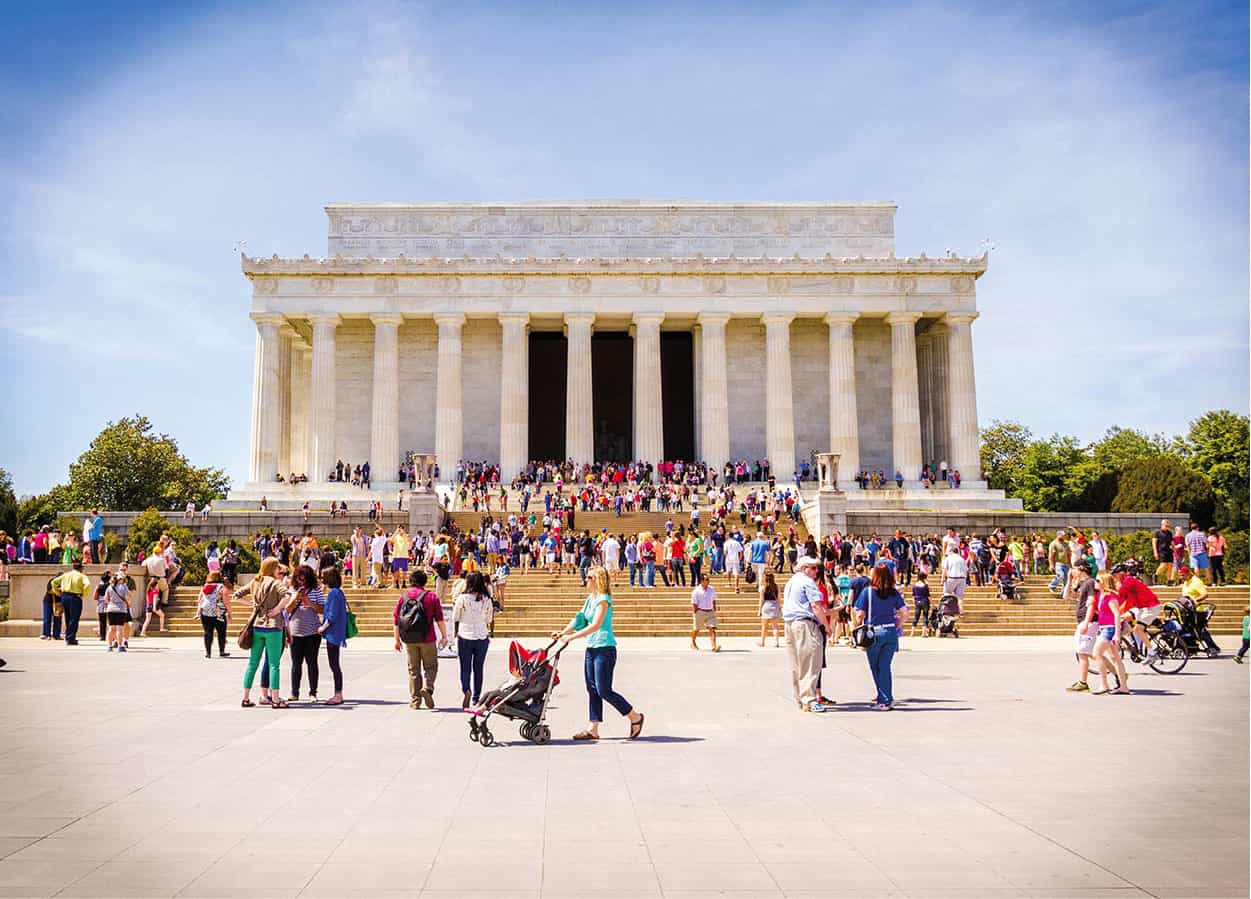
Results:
[1217, 445]
[1052, 476]
[129, 466]
[1107, 457]
[34, 512]
[8, 504]
[1165, 484]
[1003, 447]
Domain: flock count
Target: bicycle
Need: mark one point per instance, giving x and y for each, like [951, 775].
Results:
[1171, 654]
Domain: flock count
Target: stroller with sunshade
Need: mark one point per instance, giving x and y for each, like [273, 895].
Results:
[523, 697]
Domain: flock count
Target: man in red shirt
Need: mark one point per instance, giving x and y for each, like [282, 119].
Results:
[1137, 598]
[421, 649]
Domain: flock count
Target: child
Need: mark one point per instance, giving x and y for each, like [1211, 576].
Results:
[1246, 635]
[921, 603]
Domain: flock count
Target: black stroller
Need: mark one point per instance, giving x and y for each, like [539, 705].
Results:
[1190, 622]
[523, 698]
[944, 619]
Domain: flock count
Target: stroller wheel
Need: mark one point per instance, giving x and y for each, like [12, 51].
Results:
[527, 731]
[542, 734]
[473, 730]
[485, 737]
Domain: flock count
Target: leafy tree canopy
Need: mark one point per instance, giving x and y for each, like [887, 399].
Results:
[1217, 445]
[8, 504]
[129, 466]
[1165, 484]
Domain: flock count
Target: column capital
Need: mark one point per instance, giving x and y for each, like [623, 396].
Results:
[269, 318]
[449, 320]
[777, 318]
[325, 319]
[286, 330]
[841, 318]
[514, 318]
[648, 318]
[714, 318]
[903, 318]
[960, 318]
[579, 318]
[387, 318]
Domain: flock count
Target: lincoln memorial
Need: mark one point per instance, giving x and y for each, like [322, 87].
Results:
[614, 329]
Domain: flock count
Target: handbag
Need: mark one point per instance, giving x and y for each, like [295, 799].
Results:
[247, 634]
[862, 636]
[352, 627]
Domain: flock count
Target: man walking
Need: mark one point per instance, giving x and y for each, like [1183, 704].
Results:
[74, 585]
[1197, 547]
[1162, 551]
[378, 557]
[806, 618]
[1059, 556]
[704, 612]
[956, 576]
[732, 555]
[360, 551]
[417, 614]
[759, 551]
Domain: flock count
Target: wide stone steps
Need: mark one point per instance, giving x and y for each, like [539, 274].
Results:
[538, 603]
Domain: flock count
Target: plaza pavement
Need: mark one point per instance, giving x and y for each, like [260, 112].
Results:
[139, 775]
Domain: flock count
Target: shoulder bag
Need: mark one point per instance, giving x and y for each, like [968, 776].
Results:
[352, 627]
[862, 636]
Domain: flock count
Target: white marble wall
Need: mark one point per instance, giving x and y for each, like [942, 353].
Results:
[745, 372]
[810, 377]
[482, 352]
[354, 385]
[419, 356]
[873, 399]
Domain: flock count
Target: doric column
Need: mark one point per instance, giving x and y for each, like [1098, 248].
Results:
[963, 441]
[321, 451]
[579, 414]
[514, 395]
[715, 422]
[384, 434]
[286, 338]
[905, 403]
[266, 403]
[301, 387]
[779, 405]
[449, 415]
[649, 427]
[844, 416]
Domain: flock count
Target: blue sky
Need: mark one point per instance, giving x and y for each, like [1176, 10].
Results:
[1103, 147]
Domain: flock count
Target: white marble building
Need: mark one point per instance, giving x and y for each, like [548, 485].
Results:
[495, 332]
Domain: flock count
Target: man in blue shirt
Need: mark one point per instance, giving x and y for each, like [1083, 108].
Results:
[758, 551]
[95, 534]
[806, 619]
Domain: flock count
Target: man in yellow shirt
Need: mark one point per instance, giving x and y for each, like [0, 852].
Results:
[400, 544]
[74, 585]
[1192, 586]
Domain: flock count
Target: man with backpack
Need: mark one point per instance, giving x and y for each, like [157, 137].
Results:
[417, 614]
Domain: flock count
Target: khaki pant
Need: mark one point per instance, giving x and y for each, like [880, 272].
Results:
[379, 573]
[804, 649]
[360, 574]
[422, 658]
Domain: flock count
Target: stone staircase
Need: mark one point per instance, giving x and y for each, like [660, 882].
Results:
[537, 603]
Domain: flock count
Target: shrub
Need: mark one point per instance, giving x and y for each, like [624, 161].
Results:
[1136, 544]
[1164, 484]
[146, 529]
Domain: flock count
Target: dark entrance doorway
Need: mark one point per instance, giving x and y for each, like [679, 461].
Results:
[549, 353]
[612, 395]
[677, 372]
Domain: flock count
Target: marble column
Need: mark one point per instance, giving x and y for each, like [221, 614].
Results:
[649, 427]
[714, 388]
[963, 440]
[266, 403]
[844, 416]
[905, 402]
[321, 451]
[579, 411]
[286, 339]
[514, 394]
[301, 387]
[449, 416]
[384, 434]
[779, 404]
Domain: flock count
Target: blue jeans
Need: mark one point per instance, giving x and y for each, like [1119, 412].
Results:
[634, 572]
[718, 560]
[472, 655]
[1061, 578]
[598, 668]
[649, 569]
[880, 655]
[73, 605]
[695, 570]
[51, 623]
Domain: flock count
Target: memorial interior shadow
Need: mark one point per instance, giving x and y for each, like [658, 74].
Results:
[612, 395]
[549, 353]
[677, 373]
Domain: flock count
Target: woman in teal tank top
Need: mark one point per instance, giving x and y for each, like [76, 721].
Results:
[594, 622]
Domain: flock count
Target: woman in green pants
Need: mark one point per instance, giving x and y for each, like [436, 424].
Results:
[272, 600]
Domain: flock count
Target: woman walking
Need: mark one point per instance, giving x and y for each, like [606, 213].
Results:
[214, 614]
[472, 615]
[770, 609]
[1105, 613]
[117, 610]
[269, 594]
[304, 626]
[334, 626]
[594, 622]
[884, 610]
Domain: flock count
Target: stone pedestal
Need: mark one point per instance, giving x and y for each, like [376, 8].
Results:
[424, 512]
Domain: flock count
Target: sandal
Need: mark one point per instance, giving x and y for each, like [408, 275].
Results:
[281, 704]
[636, 727]
[247, 704]
[583, 735]
[333, 701]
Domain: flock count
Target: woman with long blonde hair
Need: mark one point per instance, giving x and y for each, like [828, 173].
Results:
[594, 622]
[1104, 613]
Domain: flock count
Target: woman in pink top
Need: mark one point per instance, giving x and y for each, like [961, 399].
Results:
[1104, 612]
[1216, 555]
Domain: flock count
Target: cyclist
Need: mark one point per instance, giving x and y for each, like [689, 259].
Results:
[1140, 600]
